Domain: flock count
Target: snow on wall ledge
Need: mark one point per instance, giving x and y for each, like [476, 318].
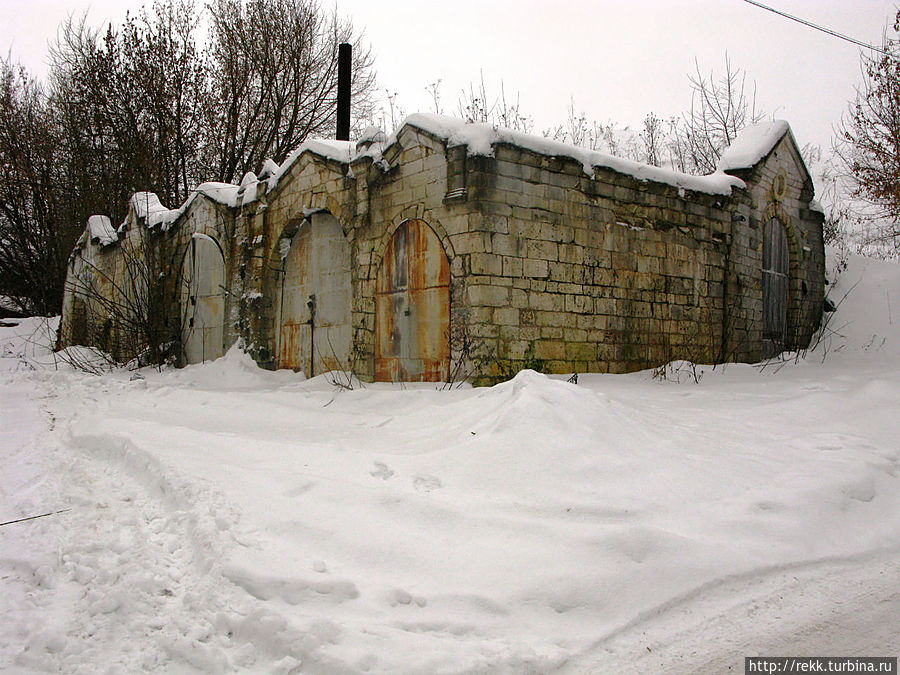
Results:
[480, 139]
[101, 230]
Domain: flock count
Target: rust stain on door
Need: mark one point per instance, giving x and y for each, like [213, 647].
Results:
[315, 273]
[412, 307]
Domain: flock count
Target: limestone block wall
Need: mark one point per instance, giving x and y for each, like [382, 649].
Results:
[107, 286]
[549, 267]
[210, 219]
[265, 232]
[414, 187]
[90, 288]
[569, 272]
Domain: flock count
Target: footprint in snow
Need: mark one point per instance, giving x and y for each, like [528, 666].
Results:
[400, 597]
[381, 471]
[427, 483]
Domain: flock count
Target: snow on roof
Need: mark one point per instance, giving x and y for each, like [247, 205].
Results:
[222, 193]
[481, 137]
[269, 168]
[751, 145]
[147, 206]
[101, 229]
[341, 151]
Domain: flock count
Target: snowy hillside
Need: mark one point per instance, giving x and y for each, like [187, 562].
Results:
[224, 518]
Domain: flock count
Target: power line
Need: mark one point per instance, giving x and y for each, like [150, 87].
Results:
[820, 28]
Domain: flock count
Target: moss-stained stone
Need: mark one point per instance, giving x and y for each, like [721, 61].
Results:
[549, 265]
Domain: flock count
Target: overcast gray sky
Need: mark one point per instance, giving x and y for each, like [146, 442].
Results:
[618, 59]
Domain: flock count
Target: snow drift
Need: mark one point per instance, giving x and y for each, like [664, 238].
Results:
[223, 518]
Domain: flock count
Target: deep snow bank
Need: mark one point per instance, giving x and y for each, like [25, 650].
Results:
[228, 518]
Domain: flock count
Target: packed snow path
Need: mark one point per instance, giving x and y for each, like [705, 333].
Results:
[223, 518]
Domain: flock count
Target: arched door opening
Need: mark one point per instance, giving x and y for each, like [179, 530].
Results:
[313, 315]
[203, 300]
[775, 281]
[412, 307]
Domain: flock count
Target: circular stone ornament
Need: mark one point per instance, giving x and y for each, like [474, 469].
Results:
[779, 184]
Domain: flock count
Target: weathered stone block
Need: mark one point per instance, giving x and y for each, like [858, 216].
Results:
[581, 351]
[512, 267]
[580, 304]
[537, 269]
[542, 250]
[506, 316]
[548, 302]
[484, 263]
[550, 349]
[495, 296]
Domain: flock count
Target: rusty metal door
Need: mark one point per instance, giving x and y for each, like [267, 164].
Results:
[203, 300]
[412, 307]
[314, 304]
[776, 265]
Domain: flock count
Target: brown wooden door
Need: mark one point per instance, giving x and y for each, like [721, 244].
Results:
[775, 278]
[412, 307]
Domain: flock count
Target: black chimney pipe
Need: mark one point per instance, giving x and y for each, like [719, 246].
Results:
[343, 102]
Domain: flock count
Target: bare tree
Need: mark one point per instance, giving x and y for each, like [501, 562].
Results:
[133, 102]
[869, 141]
[434, 90]
[36, 235]
[653, 137]
[274, 68]
[720, 107]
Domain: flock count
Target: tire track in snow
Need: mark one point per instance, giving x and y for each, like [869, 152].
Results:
[841, 605]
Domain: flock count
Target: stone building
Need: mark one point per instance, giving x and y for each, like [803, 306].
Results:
[456, 249]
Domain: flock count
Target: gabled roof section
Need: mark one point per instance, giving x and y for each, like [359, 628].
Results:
[752, 145]
[147, 207]
[755, 143]
[480, 139]
[338, 151]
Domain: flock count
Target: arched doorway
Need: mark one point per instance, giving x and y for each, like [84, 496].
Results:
[412, 307]
[775, 281]
[203, 300]
[313, 316]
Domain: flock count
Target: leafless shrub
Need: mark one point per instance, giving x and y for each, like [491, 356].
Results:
[131, 310]
[478, 105]
[720, 107]
[345, 377]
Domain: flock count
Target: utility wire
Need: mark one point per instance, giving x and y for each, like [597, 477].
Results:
[820, 28]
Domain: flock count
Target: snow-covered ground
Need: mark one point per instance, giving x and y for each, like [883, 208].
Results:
[224, 518]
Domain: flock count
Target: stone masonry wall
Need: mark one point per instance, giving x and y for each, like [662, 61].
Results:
[780, 188]
[415, 187]
[550, 268]
[570, 273]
